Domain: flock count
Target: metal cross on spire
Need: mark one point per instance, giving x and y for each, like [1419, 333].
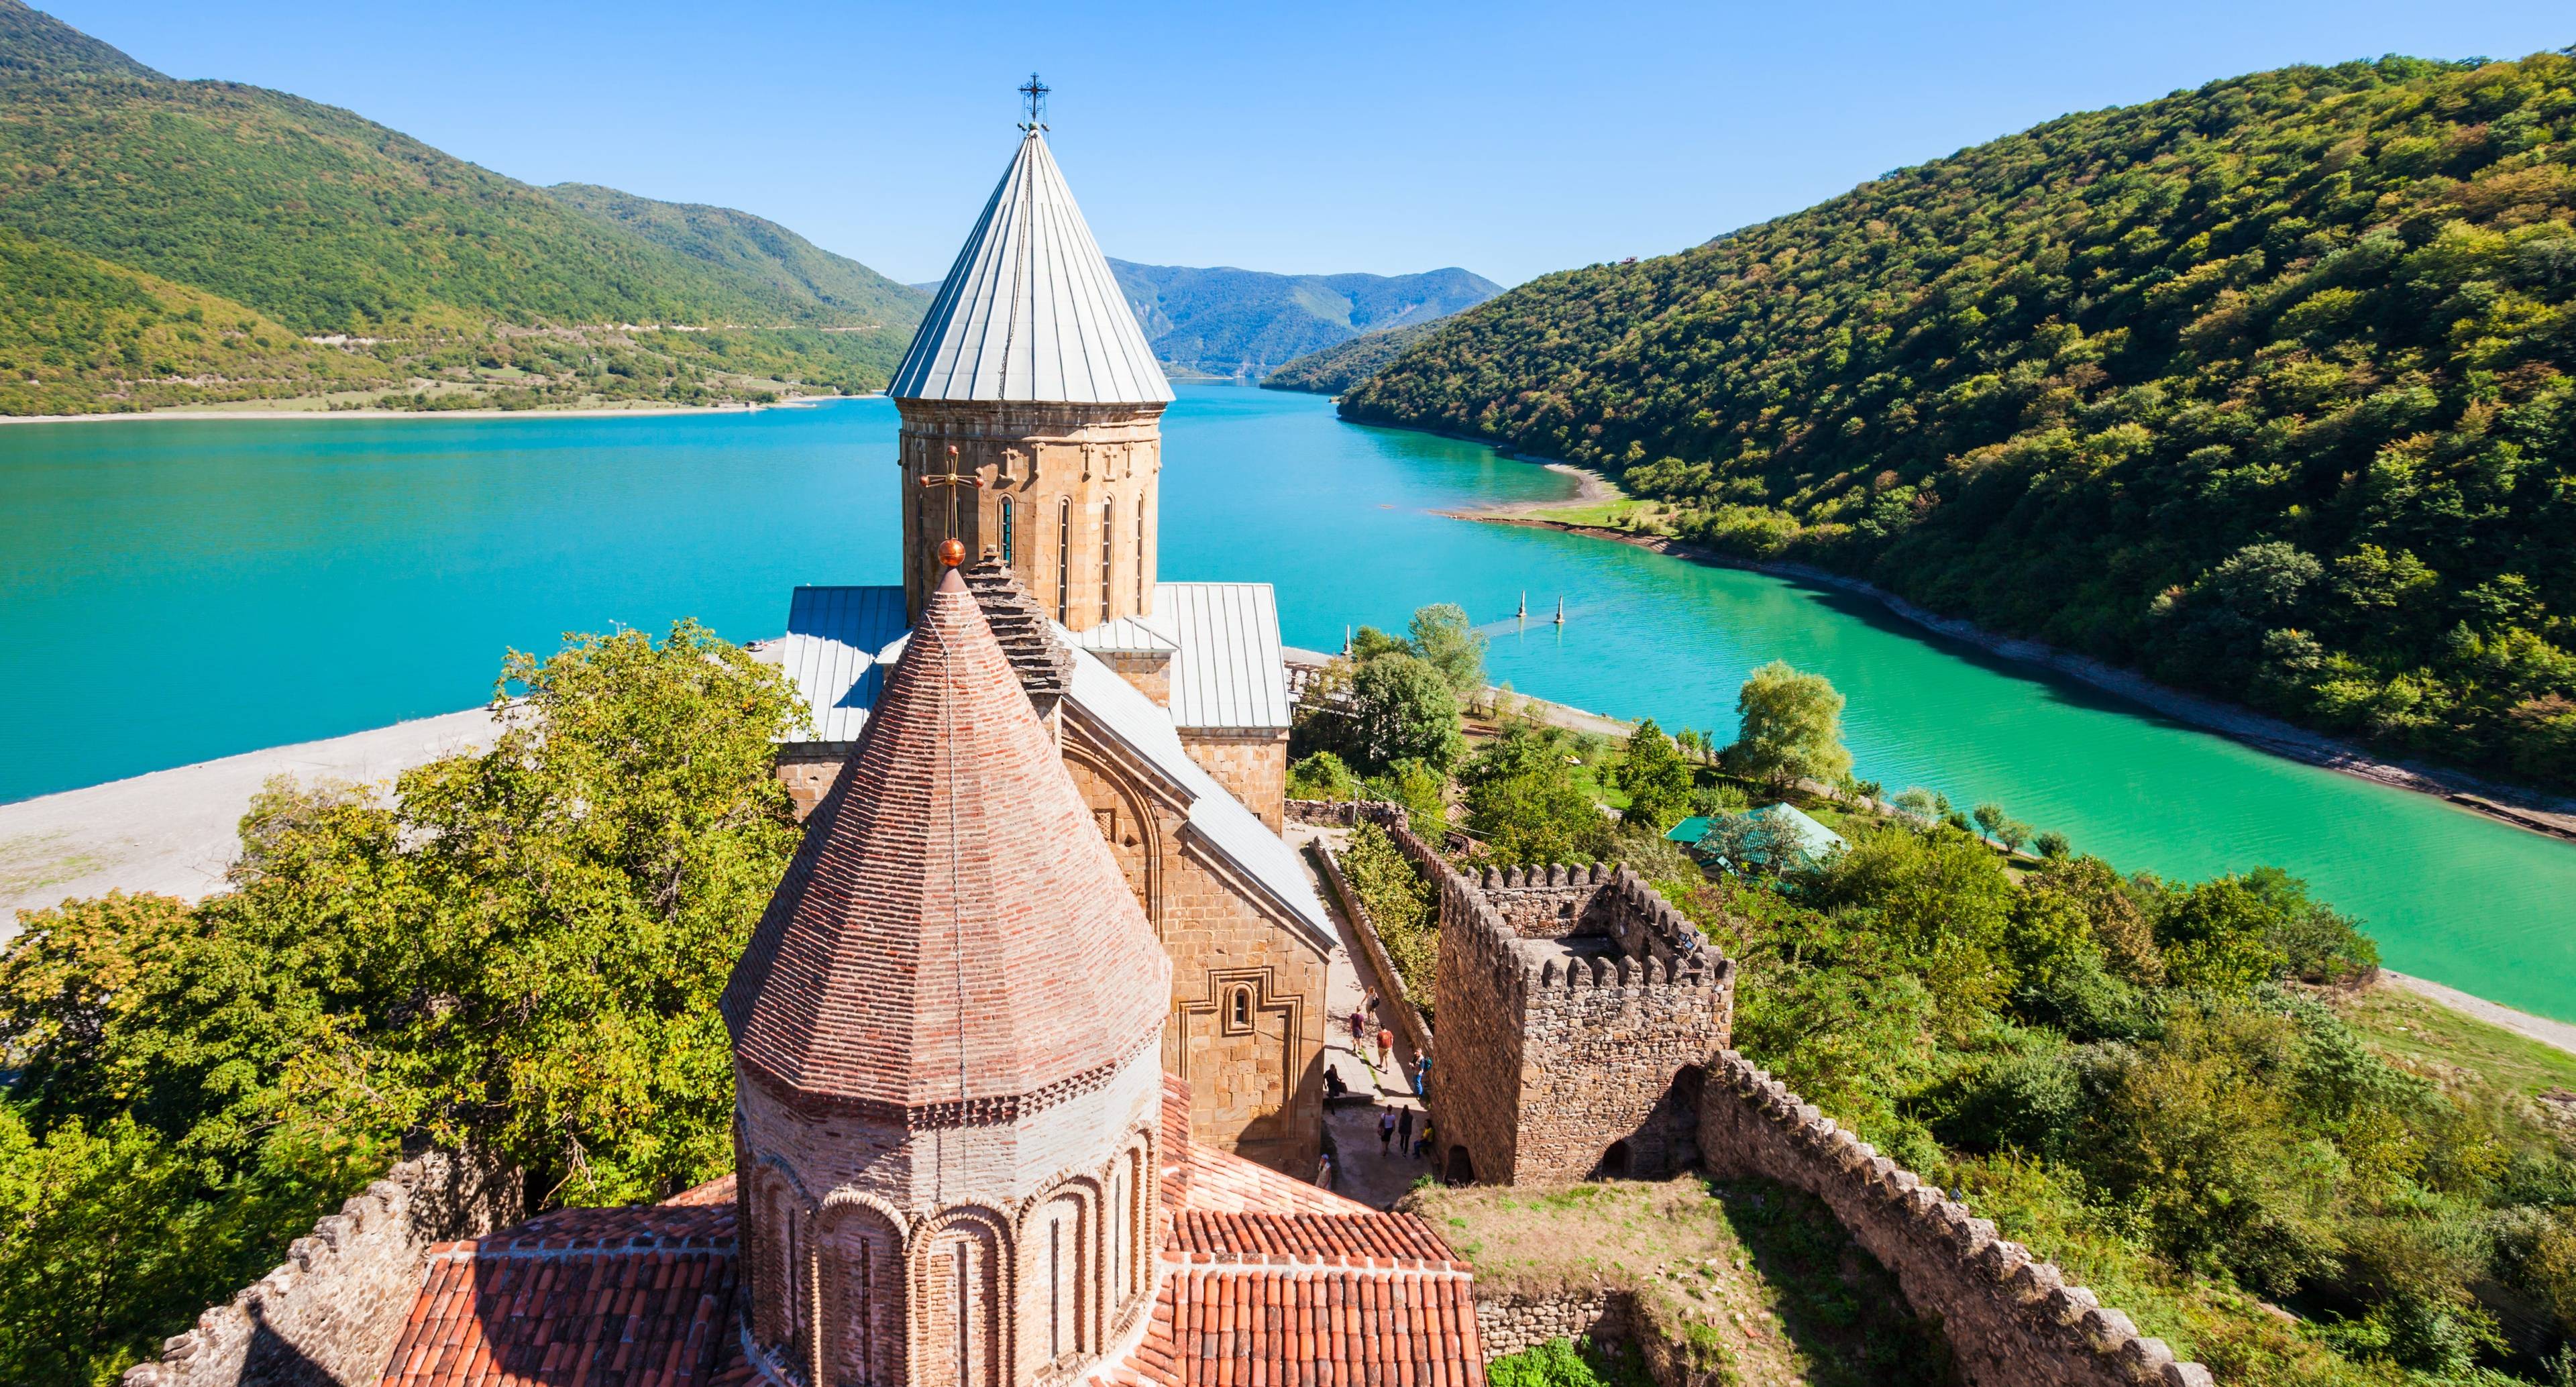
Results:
[952, 479]
[1033, 101]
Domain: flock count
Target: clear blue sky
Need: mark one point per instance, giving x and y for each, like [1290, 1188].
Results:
[1387, 136]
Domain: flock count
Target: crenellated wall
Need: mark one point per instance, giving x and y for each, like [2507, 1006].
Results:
[328, 1316]
[2012, 1320]
[1576, 1006]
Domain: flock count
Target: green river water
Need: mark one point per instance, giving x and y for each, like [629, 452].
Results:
[173, 591]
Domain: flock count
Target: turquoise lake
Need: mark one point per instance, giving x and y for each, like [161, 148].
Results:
[173, 591]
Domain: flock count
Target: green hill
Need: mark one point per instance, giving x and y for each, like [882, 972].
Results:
[1339, 367]
[328, 223]
[2262, 388]
[1242, 323]
[762, 255]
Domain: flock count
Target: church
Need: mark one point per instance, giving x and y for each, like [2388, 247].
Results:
[1031, 439]
[1031, 1028]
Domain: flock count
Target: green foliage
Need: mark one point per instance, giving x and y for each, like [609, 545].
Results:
[1401, 903]
[1422, 790]
[1558, 1363]
[519, 955]
[1789, 728]
[1656, 778]
[2262, 388]
[1523, 800]
[2113, 1069]
[1322, 776]
[282, 218]
[1442, 636]
[1335, 369]
[1401, 709]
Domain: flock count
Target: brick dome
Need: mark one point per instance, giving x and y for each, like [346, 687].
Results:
[954, 930]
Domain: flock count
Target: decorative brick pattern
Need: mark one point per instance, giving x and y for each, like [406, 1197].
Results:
[2012, 1320]
[1057, 466]
[330, 1314]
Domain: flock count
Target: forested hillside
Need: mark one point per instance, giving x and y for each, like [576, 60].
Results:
[1241, 323]
[328, 224]
[1338, 368]
[2263, 388]
[757, 250]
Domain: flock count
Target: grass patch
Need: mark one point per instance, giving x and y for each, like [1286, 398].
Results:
[1626, 513]
[2423, 1035]
[1753, 1282]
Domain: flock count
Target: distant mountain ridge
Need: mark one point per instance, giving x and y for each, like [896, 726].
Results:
[329, 224]
[1241, 324]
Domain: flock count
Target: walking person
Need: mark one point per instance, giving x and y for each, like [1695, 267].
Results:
[1404, 1131]
[1385, 1131]
[1422, 1143]
[1324, 1172]
[1385, 1047]
[1359, 1018]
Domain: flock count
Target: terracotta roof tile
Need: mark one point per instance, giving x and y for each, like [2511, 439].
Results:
[601, 1297]
[954, 930]
[1276, 1326]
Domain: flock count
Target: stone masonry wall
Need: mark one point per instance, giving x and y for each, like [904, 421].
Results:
[2012, 1320]
[329, 1315]
[1252, 765]
[1593, 1048]
[1507, 1324]
[1396, 1003]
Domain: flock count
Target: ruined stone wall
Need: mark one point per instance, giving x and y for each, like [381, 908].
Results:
[1511, 1323]
[1477, 1068]
[1251, 764]
[2012, 1320]
[328, 1316]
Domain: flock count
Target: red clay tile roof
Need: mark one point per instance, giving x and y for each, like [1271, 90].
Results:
[1313, 1290]
[954, 934]
[602, 1297]
[716, 1191]
[1271, 1325]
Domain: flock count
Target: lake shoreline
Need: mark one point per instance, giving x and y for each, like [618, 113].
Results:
[2541, 814]
[193, 414]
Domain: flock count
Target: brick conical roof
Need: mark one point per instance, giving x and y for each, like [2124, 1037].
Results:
[954, 930]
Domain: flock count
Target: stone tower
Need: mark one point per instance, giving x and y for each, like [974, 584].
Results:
[1031, 377]
[947, 1054]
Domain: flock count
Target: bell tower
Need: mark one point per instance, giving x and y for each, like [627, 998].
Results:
[947, 1042]
[1032, 407]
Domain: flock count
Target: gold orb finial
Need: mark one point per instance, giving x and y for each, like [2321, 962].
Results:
[951, 553]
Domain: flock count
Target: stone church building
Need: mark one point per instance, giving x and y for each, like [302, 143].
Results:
[1031, 435]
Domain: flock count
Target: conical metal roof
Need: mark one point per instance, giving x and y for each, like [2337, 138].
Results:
[1030, 311]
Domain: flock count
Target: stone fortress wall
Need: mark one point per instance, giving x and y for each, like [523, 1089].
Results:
[329, 1315]
[2012, 1319]
[1539, 1061]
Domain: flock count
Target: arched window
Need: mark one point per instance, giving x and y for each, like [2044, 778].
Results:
[1108, 544]
[1141, 551]
[1242, 1007]
[1009, 554]
[1064, 561]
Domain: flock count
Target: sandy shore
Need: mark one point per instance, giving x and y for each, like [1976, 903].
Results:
[2522, 808]
[2558, 1034]
[176, 831]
